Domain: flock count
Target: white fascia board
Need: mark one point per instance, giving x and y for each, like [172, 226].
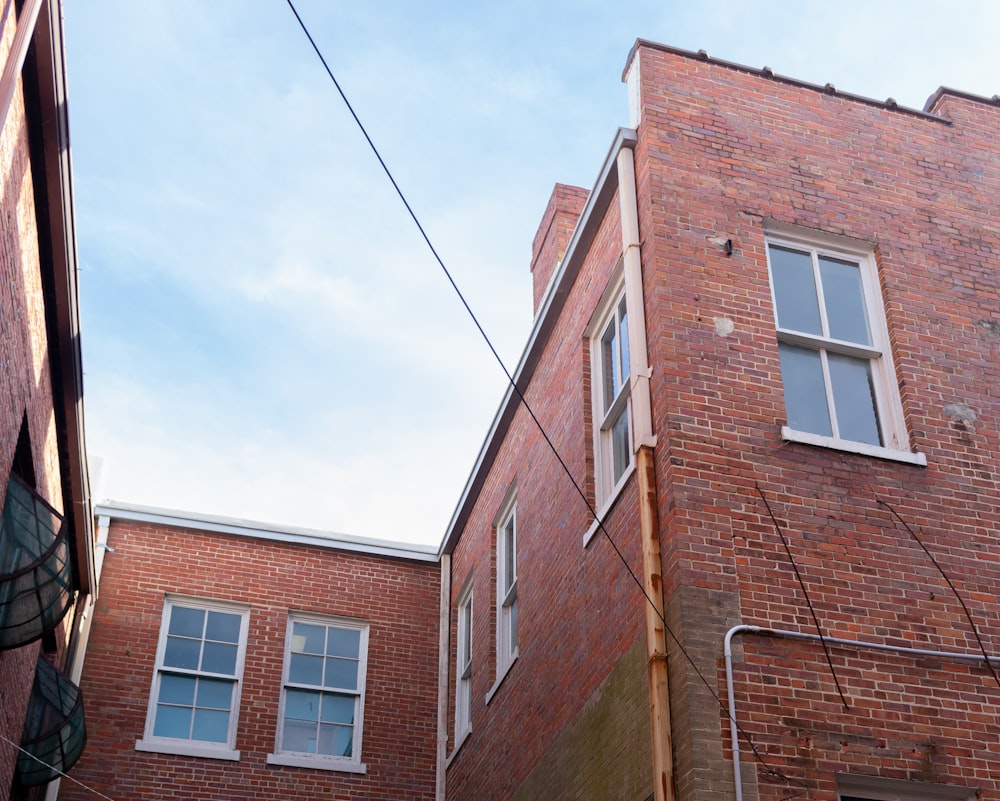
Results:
[545, 320]
[266, 531]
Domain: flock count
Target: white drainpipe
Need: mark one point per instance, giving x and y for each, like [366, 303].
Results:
[798, 635]
[18, 51]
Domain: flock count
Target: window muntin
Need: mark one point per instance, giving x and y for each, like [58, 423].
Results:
[506, 530]
[612, 413]
[835, 365]
[199, 665]
[322, 701]
[463, 668]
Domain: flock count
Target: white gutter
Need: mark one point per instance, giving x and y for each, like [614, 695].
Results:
[734, 733]
[18, 51]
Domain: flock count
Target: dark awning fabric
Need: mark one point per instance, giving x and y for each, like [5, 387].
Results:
[54, 730]
[36, 575]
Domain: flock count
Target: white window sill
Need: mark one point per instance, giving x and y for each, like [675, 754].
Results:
[194, 749]
[502, 675]
[608, 503]
[862, 448]
[459, 742]
[317, 763]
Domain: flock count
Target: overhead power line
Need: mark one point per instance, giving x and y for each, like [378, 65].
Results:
[771, 772]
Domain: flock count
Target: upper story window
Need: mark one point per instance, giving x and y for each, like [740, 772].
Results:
[506, 528]
[463, 668]
[839, 383]
[196, 685]
[611, 397]
[322, 698]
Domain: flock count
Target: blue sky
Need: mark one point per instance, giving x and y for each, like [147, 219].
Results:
[265, 334]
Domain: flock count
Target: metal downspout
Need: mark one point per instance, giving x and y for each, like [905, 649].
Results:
[444, 658]
[645, 441]
[798, 635]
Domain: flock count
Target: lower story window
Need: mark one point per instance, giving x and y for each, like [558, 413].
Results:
[322, 700]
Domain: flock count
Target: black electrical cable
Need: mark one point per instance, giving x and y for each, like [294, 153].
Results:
[772, 772]
[968, 614]
[805, 592]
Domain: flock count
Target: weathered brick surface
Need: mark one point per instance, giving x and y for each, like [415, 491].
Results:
[554, 233]
[399, 600]
[721, 152]
[25, 384]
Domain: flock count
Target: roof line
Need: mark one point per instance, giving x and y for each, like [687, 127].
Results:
[293, 535]
[766, 72]
[548, 312]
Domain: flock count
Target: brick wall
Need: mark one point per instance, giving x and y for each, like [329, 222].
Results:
[721, 152]
[398, 598]
[25, 384]
[579, 612]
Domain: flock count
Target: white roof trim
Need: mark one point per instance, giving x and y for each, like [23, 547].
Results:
[266, 531]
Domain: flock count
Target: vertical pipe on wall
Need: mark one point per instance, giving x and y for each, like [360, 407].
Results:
[444, 655]
[18, 50]
[645, 441]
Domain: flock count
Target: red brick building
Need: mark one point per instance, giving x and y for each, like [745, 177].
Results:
[47, 577]
[234, 660]
[777, 298]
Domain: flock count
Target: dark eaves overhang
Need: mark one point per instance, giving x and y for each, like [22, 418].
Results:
[545, 322]
[44, 80]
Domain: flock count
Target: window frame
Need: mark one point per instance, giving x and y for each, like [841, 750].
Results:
[851, 787]
[464, 610]
[282, 756]
[606, 484]
[887, 404]
[190, 747]
[506, 596]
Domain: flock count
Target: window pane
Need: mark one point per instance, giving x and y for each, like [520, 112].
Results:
[182, 653]
[343, 642]
[336, 740]
[187, 622]
[609, 365]
[298, 736]
[341, 673]
[223, 627]
[215, 694]
[308, 639]
[845, 301]
[219, 658]
[172, 721]
[302, 705]
[210, 726]
[177, 689]
[465, 628]
[306, 669]
[623, 339]
[620, 448]
[338, 708]
[854, 399]
[509, 555]
[805, 390]
[795, 290]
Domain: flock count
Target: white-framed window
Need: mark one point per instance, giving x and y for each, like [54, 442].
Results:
[506, 530]
[611, 397]
[463, 667]
[836, 367]
[195, 695]
[323, 693]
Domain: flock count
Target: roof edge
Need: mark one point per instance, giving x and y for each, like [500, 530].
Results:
[294, 535]
[548, 312]
[766, 72]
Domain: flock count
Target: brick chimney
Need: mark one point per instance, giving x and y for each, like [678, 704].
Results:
[556, 229]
